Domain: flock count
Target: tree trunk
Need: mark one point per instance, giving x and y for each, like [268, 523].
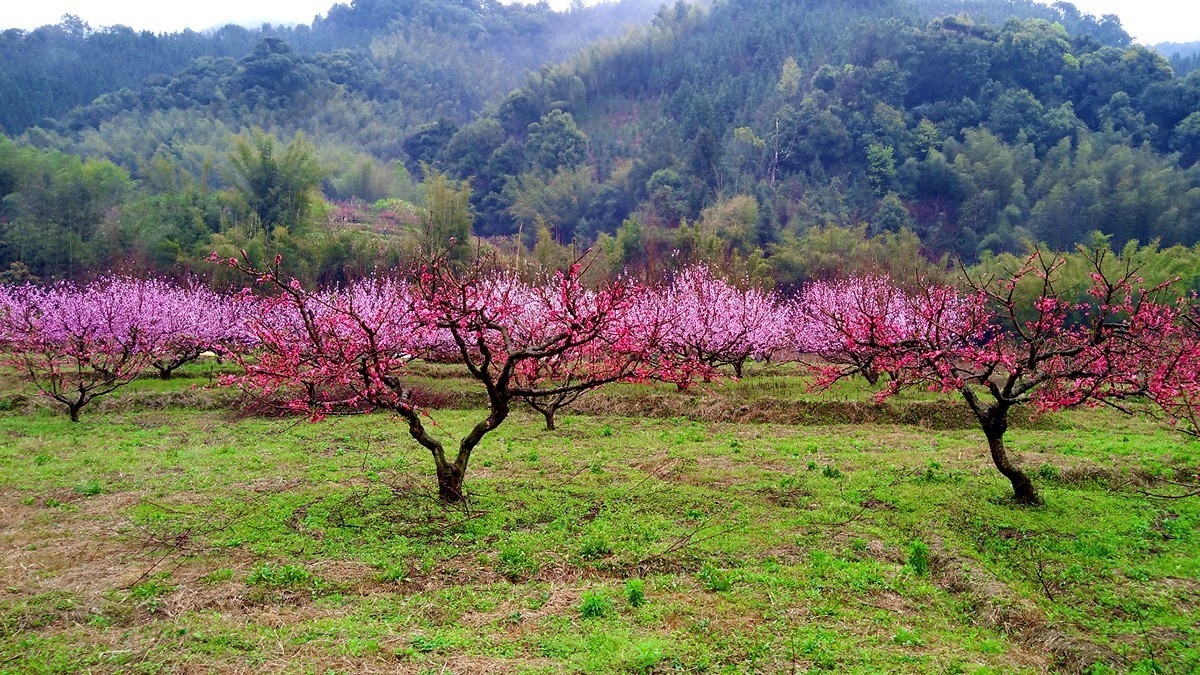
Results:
[547, 409]
[74, 412]
[450, 483]
[871, 375]
[451, 474]
[737, 368]
[994, 420]
[1023, 490]
[164, 373]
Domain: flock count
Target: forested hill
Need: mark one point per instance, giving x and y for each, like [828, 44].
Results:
[976, 136]
[50, 70]
[768, 134]
[1185, 56]
[1106, 29]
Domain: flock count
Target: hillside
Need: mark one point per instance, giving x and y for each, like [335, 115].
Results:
[1106, 29]
[53, 69]
[1184, 56]
[1173, 49]
[977, 136]
[764, 134]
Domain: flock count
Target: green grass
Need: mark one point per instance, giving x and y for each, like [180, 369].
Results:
[159, 540]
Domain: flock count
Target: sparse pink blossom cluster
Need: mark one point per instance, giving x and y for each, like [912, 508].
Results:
[1168, 367]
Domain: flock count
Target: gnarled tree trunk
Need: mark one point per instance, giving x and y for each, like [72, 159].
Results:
[994, 421]
[547, 408]
[450, 482]
[450, 474]
[1023, 490]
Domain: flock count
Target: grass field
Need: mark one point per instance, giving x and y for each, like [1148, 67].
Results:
[189, 539]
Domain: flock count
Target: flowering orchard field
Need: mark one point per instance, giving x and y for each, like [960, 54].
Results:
[143, 538]
[549, 340]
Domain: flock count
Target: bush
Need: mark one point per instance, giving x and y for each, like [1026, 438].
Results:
[595, 546]
[594, 605]
[644, 656]
[515, 562]
[714, 579]
[918, 558]
[635, 592]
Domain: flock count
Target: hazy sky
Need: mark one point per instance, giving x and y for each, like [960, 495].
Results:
[1149, 21]
[162, 15]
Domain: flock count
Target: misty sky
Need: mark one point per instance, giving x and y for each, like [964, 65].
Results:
[1149, 21]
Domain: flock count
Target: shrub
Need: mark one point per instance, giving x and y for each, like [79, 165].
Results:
[918, 558]
[644, 656]
[516, 562]
[635, 592]
[714, 579]
[272, 575]
[595, 546]
[91, 488]
[594, 605]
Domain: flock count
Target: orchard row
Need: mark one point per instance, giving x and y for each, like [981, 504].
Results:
[548, 341]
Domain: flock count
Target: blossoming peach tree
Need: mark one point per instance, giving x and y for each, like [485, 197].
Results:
[833, 319]
[79, 342]
[713, 322]
[351, 348]
[1117, 343]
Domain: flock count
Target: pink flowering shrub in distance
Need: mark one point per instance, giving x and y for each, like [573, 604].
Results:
[184, 321]
[8, 308]
[78, 342]
[834, 319]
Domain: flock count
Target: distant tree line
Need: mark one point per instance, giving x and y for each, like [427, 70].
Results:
[51, 70]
